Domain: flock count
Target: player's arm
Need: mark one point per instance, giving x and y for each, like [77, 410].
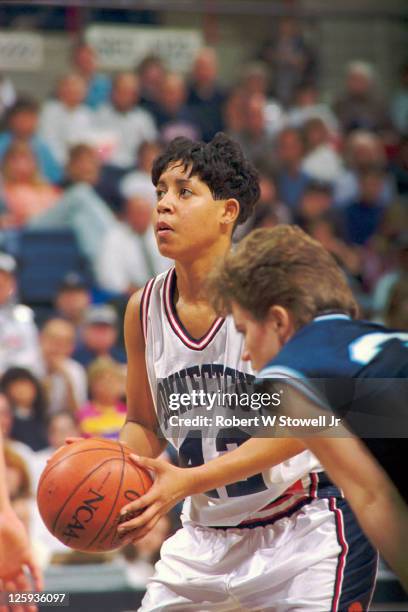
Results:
[380, 510]
[140, 429]
[15, 550]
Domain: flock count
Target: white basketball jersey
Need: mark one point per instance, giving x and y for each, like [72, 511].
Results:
[177, 363]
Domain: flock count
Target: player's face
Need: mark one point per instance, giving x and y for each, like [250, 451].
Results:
[187, 220]
[262, 340]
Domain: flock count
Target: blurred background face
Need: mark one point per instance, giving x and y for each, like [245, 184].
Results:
[100, 337]
[315, 203]
[61, 426]
[20, 166]
[307, 96]
[147, 154]
[139, 214]
[173, 93]
[6, 416]
[290, 148]
[255, 115]
[24, 124]
[21, 392]
[7, 286]
[316, 133]
[72, 303]
[151, 76]
[85, 60]
[72, 90]
[125, 92]
[205, 67]
[358, 84]
[84, 166]
[107, 387]
[57, 339]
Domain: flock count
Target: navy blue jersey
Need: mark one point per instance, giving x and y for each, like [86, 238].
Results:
[359, 370]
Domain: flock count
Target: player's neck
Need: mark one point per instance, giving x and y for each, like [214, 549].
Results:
[192, 275]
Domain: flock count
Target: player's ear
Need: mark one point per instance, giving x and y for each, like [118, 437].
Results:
[282, 322]
[230, 211]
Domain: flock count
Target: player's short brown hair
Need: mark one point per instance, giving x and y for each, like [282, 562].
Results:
[281, 266]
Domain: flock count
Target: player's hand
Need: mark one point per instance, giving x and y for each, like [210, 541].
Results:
[171, 485]
[15, 556]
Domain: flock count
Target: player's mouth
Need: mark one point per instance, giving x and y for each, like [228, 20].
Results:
[163, 229]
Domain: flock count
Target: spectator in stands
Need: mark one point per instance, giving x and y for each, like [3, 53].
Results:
[254, 139]
[129, 124]
[7, 94]
[19, 343]
[60, 425]
[291, 60]
[396, 310]
[359, 107]
[307, 105]
[399, 103]
[292, 180]
[64, 379]
[85, 166]
[172, 116]
[27, 400]
[24, 192]
[138, 183]
[105, 413]
[22, 125]
[388, 280]
[99, 336]
[98, 85]
[66, 120]
[233, 112]
[129, 255]
[17, 475]
[316, 201]
[151, 73]
[255, 82]
[363, 151]
[81, 210]
[361, 218]
[399, 167]
[205, 97]
[6, 426]
[72, 299]
[321, 161]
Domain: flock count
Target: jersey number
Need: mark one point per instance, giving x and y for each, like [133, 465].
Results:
[191, 455]
[365, 349]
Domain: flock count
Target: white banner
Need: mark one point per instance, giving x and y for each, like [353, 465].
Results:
[21, 51]
[122, 48]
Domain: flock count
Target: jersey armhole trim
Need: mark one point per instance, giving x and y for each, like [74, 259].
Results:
[144, 306]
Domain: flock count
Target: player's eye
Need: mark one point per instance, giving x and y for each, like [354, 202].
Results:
[184, 192]
[159, 193]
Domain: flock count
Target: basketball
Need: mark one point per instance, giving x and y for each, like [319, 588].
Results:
[82, 490]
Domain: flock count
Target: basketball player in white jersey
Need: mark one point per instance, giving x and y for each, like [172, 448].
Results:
[254, 537]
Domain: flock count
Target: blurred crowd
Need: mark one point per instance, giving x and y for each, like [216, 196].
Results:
[82, 160]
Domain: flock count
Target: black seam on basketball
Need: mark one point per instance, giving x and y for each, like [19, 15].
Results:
[113, 505]
[76, 489]
[73, 454]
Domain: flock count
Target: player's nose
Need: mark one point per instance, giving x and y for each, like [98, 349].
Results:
[165, 204]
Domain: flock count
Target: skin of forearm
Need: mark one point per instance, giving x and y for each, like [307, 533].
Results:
[252, 457]
[4, 496]
[142, 440]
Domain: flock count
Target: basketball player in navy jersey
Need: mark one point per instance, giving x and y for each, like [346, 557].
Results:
[296, 312]
[254, 536]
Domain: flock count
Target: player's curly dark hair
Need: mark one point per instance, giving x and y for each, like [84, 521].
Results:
[220, 164]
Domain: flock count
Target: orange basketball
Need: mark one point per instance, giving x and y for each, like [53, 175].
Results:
[83, 488]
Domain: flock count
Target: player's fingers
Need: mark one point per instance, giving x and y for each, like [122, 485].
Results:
[138, 521]
[137, 505]
[35, 573]
[72, 439]
[3, 608]
[140, 533]
[23, 583]
[11, 588]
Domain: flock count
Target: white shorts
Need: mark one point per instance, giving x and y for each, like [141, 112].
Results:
[317, 560]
